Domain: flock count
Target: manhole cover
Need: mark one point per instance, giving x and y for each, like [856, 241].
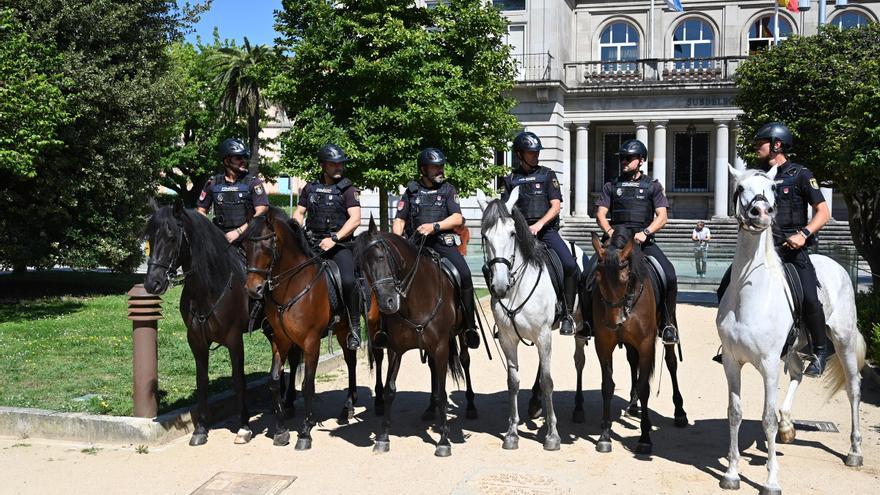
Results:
[519, 484]
[227, 483]
[823, 426]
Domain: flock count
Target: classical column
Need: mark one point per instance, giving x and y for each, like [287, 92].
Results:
[582, 166]
[642, 135]
[660, 151]
[567, 171]
[721, 156]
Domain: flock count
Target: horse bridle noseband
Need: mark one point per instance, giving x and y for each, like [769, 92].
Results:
[403, 286]
[751, 204]
[172, 265]
[627, 302]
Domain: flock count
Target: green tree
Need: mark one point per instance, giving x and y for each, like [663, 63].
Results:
[825, 88]
[385, 78]
[85, 201]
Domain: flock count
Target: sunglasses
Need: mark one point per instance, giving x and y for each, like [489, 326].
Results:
[628, 158]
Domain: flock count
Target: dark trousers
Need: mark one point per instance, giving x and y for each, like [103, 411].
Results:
[451, 253]
[552, 240]
[344, 258]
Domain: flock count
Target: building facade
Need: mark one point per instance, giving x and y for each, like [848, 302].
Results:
[594, 73]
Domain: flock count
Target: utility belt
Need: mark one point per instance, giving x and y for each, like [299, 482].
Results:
[448, 239]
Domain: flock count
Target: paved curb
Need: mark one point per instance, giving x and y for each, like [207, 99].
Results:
[41, 423]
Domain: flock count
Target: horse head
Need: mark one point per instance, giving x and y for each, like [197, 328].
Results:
[167, 243]
[498, 230]
[754, 198]
[377, 256]
[260, 247]
[617, 273]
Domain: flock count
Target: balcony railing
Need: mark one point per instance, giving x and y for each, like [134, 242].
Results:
[535, 67]
[670, 71]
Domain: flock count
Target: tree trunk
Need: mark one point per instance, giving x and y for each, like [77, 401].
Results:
[253, 124]
[383, 209]
[864, 225]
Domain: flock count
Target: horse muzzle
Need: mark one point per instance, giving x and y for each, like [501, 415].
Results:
[155, 284]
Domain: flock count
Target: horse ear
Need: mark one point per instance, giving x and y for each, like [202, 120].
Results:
[511, 200]
[481, 199]
[737, 175]
[372, 228]
[627, 250]
[597, 246]
[772, 172]
[178, 208]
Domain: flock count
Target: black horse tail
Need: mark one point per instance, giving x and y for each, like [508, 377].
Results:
[454, 363]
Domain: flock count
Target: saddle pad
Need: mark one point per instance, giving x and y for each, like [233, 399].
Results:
[556, 273]
[334, 283]
[658, 280]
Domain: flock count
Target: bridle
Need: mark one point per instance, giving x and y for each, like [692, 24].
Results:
[403, 286]
[173, 263]
[740, 207]
[626, 303]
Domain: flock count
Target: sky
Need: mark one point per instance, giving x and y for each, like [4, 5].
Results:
[236, 19]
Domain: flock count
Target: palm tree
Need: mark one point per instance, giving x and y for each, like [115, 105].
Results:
[241, 73]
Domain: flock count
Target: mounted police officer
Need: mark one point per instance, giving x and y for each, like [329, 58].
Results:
[540, 201]
[637, 202]
[332, 211]
[236, 195]
[430, 207]
[793, 232]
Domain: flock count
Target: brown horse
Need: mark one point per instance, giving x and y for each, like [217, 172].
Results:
[213, 304]
[626, 313]
[283, 269]
[423, 315]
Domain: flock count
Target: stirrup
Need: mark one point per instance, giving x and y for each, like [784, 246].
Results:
[472, 338]
[380, 340]
[566, 319]
[817, 366]
[353, 341]
[667, 330]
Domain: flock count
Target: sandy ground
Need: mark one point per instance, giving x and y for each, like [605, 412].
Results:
[689, 460]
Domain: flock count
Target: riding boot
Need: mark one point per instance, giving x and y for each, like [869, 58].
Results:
[815, 323]
[668, 332]
[471, 337]
[570, 293]
[354, 319]
[586, 304]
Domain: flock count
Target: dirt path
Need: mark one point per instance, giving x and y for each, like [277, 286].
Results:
[687, 460]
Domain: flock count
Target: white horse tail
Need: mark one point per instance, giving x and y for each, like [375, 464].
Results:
[834, 378]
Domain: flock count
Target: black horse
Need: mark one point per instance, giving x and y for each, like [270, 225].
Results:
[214, 302]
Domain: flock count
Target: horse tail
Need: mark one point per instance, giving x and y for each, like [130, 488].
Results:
[835, 376]
[454, 363]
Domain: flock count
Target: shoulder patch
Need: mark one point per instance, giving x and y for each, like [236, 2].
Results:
[814, 184]
[202, 196]
[555, 183]
[357, 195]
[258, 189]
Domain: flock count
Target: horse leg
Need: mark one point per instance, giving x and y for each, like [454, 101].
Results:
[770, 372]
[552, 441]
[605, 363]
[276, 374]
[632, 357]
[580, 359]
[379, 389]
[310, 361]
[733, 372]
[796, 372]
[383, 443]
[681, 419]
[430, 413]
[351, 399]
[236, 358]
[441, 361]
[509, 346]
[535, 409]
[200, 353]
[293, 360]
[465, 357]
[646, 363]
[849, 361]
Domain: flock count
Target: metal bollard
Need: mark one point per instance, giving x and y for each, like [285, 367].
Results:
[144, 311]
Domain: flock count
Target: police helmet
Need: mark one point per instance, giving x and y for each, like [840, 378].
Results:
[633, 147]
[775, 131]
[232, 147]
[332, 153]
[527, 141]
[431, 156]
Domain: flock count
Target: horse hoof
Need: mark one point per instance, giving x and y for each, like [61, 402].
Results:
[786, 436]
[281, 439]
[643, 449]
[551, 444]
[578, 417]
[443, 451]
[471, 414]
[510, 443]
[381, 447]
[303, 444]
[854, 460]
[729, 483]
[243, 436]
[429, 415]
[198, 439]
[603, 446]
[681, 421]
[770, 491]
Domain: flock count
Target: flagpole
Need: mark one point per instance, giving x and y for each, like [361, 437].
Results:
[775, 22]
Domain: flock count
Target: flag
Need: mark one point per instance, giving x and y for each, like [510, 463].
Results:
[675, 5]
[791, 5]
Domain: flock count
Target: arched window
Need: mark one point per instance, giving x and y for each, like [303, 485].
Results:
[850, 19]
[693, 39]
[619, 42]
[761, 33]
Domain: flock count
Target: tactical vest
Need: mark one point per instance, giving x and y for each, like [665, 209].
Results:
[326, 207]
[233, 205]
[632, 202]
[534, 198]
[791, 207]
[427, 205]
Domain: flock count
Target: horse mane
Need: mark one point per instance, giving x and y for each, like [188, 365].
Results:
[293, 229]
[533, 251]
[638, 266]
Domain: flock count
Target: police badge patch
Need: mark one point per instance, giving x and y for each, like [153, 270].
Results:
[555, 183]
[259, 190]
[814, 184]
[619, 191]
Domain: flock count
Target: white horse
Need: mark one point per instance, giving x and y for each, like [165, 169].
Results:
[754, 330]
[523, 304]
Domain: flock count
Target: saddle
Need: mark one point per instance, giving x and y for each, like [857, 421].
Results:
[334, 284]
[797, 295]
[448, 269]
[557, 276]
[658, 280]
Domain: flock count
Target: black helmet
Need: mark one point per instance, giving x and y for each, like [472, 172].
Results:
[775, 131]
[331, 153]
[633, 147]
[431, 156]
[232, 147]
[527, 141]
